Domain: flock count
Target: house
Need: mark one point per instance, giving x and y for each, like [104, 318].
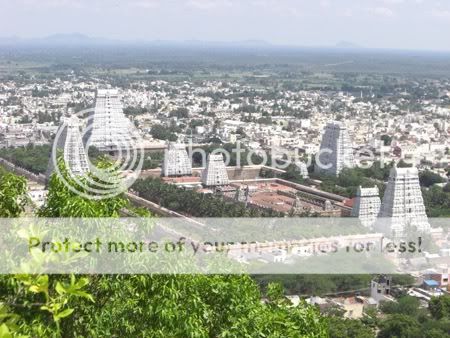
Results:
[380, 288]
[430, 285]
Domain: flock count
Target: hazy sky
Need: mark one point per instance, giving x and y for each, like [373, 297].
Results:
[412, 24]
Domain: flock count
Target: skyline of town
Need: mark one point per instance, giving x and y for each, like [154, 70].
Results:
[400, 24]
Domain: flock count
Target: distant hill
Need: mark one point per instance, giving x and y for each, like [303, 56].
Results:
[348, 44]
[77, 39]
[74, 38]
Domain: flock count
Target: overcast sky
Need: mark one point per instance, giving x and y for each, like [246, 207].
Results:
[404, 24]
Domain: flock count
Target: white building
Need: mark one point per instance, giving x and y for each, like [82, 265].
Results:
[302, 169]
[367, 205]
[402, 204]
[69, 142]
[109, 129]
[380, 288]
[176, 161]
[215, 173]
[336, 151]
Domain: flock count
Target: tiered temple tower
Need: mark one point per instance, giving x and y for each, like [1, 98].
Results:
[402, 204]
[70, 145]
[303, 170]
[336, 150]
[110, 130]
[176, 161]
[367, 205]
[215, 173]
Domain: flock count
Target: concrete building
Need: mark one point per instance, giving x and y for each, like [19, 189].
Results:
[176, 161]
[336, 151]
[109, 129]
[367, 205]
[440, 274]
[402, 205]
[215, 173]
[380, 288]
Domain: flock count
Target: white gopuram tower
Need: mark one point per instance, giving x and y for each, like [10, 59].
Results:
[215, 173]
[109, 129]
[69, 145]
[302, 169]
[402, 205]
[176, 161]
[336, 150]
[367, 205]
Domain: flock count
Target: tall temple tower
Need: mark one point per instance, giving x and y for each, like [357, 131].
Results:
[303, 169]
[70, 144]
[109, 129]
[176, 161]
[402, 204]
[215, 172]
[336, 150]
[367, 205]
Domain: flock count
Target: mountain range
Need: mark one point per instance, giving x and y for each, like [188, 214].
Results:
[77, 39]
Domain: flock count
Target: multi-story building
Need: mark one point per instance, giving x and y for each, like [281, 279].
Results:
[336, 151]
[215, 173]
[380, 288]
[367, 205]
[176, 161]
[402, 207]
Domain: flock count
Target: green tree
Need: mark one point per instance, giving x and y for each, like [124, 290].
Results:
[161, 132]
[439, 307]
[406, 305]
[13, 195]
[348, 328]
[399, 326]
[428, 178]
[387, 140]
[143, 305]
[180, 113]
[65, 202]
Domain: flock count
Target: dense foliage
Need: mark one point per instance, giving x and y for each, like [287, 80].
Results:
[437, 201]
[428, 178]
[193, 203]
[33, 158]
[13, 194]
[141, 305]
[406, 318]
[160, 132]
[348, 181]
[315, 284]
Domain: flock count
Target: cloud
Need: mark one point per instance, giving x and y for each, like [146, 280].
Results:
[325, 4]
[208, 4]
[54, 3]
[348, 13]
[392, 2]
[440, 13]
[146, 4]
[382, 11]
[282, 8]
